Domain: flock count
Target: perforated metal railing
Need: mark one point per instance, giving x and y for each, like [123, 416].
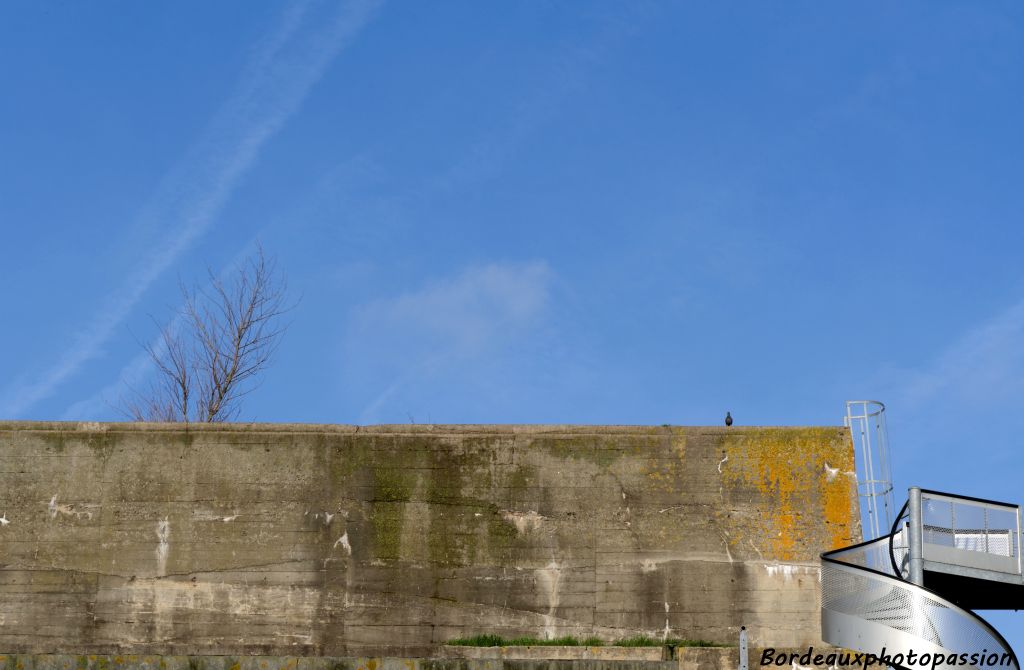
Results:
[868, 606]
[873, 555]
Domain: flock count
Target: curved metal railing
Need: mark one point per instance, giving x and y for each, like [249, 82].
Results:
[868, 605]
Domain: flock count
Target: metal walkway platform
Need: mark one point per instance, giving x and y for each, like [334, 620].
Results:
[913, 590]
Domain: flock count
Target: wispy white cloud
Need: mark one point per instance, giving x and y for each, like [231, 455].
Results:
[452, 320]
[192, 195]
[985, 365]
[467, 311]
[955, 421]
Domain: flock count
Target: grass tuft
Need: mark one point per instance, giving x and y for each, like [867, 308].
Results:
[479, 641]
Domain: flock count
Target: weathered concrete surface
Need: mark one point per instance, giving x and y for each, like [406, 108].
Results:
[126, 662]
[559, 653]
[509, 658]
[344, 540]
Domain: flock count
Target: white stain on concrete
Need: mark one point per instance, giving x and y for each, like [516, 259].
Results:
[551, 577]
[164, 600]
[786, 571]
[648, 565]
[667, 630]
[831, 472]
[343, 543]
[721, 463]
[65, 510]
[214, 515]
[328, 516]
[3, 520]
[523, 521]
[163, 534]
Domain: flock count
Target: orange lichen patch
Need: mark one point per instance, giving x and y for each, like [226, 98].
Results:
[839, 509]
[798, 476]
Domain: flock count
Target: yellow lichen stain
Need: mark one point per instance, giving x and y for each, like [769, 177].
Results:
[371, 664]
[665, 467]
[793, 470]
[679, 444]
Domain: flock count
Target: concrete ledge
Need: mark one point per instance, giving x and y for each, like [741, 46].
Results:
[712, 658]
[551, 653]
[379, 429]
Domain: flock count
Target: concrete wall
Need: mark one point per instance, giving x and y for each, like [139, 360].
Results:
[343, 540]
[126, 662]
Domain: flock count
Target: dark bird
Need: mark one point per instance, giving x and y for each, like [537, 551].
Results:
[728, 419]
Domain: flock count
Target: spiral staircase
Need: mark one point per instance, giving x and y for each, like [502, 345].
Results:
[914, 589]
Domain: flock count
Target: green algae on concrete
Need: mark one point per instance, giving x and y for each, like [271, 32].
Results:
[386, 519]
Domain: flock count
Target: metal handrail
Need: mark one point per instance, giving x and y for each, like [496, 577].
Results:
[928, 608]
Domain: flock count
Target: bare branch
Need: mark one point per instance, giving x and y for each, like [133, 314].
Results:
[223, 338]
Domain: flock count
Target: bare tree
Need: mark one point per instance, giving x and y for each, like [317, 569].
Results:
[208, 356]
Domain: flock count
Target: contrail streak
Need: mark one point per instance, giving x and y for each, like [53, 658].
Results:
[192, 195]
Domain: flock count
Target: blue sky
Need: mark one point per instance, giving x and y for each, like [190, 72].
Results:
[536, 212]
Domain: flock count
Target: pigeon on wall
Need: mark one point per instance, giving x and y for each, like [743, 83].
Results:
[728, 419]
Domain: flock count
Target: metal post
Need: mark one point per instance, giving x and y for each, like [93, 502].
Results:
[1019, 564]
[743, 648]
[984, 511]
[916, 540]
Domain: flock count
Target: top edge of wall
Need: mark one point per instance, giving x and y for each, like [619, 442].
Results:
[95, 426]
